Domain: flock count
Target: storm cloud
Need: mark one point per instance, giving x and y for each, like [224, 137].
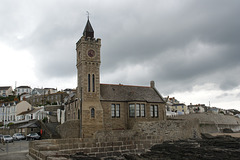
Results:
[177, 44]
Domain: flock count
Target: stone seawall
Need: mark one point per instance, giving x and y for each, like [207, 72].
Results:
[118, 142]
[213, 123]
[218, 128]
[69, 129]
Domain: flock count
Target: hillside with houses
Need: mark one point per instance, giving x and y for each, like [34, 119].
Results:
[26, 105]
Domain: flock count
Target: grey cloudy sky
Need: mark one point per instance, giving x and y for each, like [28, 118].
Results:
[190, 48]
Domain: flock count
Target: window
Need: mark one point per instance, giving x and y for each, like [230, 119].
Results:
[142, 110]
[92, 113]
[93, 83]
[131, 110]
[115, 110]
[89, 83]
[154, 111]
[138, 110]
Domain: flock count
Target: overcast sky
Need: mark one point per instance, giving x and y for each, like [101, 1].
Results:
[190, 48]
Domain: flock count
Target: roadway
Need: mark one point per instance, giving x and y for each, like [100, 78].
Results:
[16, 150]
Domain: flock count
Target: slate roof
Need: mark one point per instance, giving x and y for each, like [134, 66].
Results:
[29, 125]
[29, 111]
[126, 93]
[5, 87]
[39, 90]
[23, 87]
[88, 30]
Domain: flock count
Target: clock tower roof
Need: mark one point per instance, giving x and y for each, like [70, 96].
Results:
[88, 31]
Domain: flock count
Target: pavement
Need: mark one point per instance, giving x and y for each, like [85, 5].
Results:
[16, 150]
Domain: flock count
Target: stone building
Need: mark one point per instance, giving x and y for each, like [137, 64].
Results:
[108, 106]
[6, 91]
[55, 98]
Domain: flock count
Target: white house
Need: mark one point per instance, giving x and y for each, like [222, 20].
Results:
[37, 113]
[174, 107]
[197, 108]
[23, 89]
[9, 110]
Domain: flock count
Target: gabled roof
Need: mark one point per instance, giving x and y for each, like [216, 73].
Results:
[5, 87]
[29, 125]
[125, 93]
[23, 87]
[29, 111]
[39, 90]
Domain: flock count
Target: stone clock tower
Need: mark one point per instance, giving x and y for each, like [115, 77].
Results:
[88, 90]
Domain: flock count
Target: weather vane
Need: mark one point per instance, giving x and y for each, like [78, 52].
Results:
[88, 14]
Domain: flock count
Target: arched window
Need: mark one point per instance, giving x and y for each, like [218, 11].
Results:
[93, 83]
[92, 113]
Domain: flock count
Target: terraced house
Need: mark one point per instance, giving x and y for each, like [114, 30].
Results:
[6, 91]
[108, 106]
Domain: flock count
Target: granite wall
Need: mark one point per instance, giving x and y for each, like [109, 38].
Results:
[116, 142]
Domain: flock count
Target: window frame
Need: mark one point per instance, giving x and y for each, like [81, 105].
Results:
[93, 83]
[143, 110]
[139, 110]
[89, 83]
[132, 110]
[115, 110]
[92, 113]
[154, 111]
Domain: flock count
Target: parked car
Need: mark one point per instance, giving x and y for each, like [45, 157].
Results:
[33, 136]
[18, 136]
[7, 138]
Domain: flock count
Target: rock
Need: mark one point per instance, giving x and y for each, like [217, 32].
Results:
[227, 130]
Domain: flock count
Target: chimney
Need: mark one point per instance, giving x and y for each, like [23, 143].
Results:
[152, 84]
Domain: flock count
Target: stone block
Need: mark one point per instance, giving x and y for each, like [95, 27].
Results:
[123, 147]
[109, 144]
[109, 154]
[95, 149]
[116, 148]
[81, 145]
[107, 149]
[102, 154]
[116, 154]
[101, 149]
[86, 150]
[88, 145]
[118, 143]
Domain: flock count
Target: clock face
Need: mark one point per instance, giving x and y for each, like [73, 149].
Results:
[91, 53]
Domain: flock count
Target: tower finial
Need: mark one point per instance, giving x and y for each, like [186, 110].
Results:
[87, 15]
